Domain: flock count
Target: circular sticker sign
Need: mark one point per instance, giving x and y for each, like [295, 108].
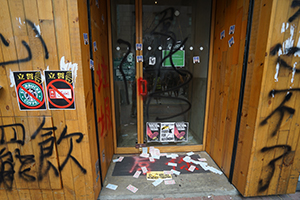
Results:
[30, 94]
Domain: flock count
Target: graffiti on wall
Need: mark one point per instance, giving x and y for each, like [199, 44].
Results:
[25, 44]
[283, 51]
[46, 150]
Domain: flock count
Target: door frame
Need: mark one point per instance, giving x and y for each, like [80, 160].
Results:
[139, 73]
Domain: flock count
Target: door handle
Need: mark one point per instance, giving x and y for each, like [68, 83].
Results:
[142, 86]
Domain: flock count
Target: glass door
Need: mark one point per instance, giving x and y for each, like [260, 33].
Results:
[160, 53]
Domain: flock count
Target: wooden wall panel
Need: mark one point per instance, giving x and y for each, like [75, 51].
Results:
[267, 162]
[68, 136]
[225, 80]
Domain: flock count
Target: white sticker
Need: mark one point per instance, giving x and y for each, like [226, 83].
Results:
[152, 60]
[196, 59]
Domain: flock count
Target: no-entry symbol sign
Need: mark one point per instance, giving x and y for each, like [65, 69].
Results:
[29, 90]
[60, 90]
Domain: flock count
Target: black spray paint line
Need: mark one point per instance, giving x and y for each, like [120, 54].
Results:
[14, 139]
[272, 93]
[282, 63]
[20, 60]
[281, 109]
[39, 36]
[6, 173]
[263, 186]
[120, 41]
[4, 40]
[25, 160]
[295, 3]
[292, 18]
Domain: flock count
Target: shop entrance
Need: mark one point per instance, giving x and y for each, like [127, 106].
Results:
[160, 55]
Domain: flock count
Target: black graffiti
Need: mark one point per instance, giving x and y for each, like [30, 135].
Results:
[165, 23]
[24, 43]
[38, 35]
[46, 147]
[25, 160]
[29, 57]
[78, 140]
[6, 169]
[4, 40]
[281, 109]
[14, 139]
[120, 41]
[264, 184]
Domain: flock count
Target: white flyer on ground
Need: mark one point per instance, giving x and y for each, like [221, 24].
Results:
[157, 182]
[169, 182]
[192, 168]
[168, 172]
[144, 155]
[137, 174]
[145, 150]
[132, 188]
[144, 169]
[151, 159]
[120, 159]
[175, 172]
[111, 186]
[172, 164]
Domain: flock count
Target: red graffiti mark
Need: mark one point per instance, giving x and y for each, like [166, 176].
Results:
[140, 162]
[105, 117]
[102, 73]
[181, 164]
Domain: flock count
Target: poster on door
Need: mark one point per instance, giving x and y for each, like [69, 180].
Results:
[60, 90]
[167, 132]
[181, 131]
[153, 131]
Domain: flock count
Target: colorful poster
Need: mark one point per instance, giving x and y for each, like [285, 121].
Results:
[60, 90]
[181, 131]
[29, 90]
[153, 130]
[178, 58]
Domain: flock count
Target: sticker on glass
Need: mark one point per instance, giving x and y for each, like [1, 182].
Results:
[152, 60]
[152, 131]
[181, 131]
[196, 59]
[167, 132]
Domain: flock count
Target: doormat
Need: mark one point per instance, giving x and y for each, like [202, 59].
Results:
[130, 165]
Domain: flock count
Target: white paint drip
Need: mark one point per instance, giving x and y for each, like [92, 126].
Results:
[279, 52]
[69, 66]
[283, 28]
[294, 72]
[277, 72]
[287, 26]
[289, 42]
[37, 27]
[11, 77]
[298, 45]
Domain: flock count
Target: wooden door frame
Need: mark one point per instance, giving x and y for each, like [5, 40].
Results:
[139, 73]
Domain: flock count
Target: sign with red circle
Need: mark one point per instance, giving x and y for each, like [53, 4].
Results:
[60, 90]
[29, 90]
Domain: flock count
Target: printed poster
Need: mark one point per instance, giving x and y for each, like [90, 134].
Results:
[153, 130]
[181, 131]
[167, 132]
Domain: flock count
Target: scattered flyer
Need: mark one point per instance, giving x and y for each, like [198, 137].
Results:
[172, 164]
[111, 186]
[163, 154]
[168, 172]
[175, 172]
[120, 159]
[144, 169]
[144, 155]
[154, 175]
[145, 150]
[187, 159]
[132, 188]
[169, 182]
[151, 159]
[190, 153]
[202, 159]
[157, 182]
[137, 174]
[192, 168]
[222, 34]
